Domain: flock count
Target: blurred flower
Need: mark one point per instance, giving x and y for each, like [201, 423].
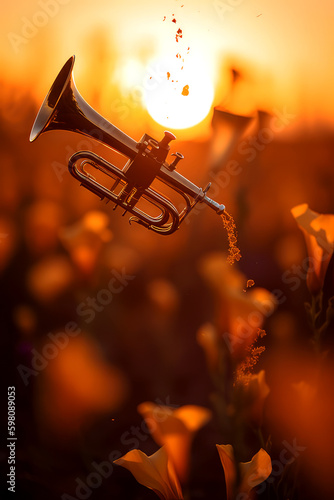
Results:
[163, 295]
[226, 456]
[284, 327]
[155, 472]
[289, 249]
[227, 128]
[251, 473]
[207, 338]
[239, 314]
[318, 231]
[85, 239]
[75, 384]
[120, 256]
[8, 241]
[251, 392]
[25, 319]
[50, 277]
[174, 429]
[305, 392]
[42, 221]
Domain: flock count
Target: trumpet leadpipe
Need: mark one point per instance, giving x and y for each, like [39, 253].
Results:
[178, 181]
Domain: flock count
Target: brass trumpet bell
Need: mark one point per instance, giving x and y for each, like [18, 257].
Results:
[64, 109]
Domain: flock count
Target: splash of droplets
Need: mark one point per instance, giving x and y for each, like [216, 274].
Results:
[244, 371]
[229, 224]
[178, 34]
[185, 90]
[249, 284]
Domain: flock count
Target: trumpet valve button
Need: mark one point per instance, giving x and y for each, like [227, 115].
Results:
[167, 139]
[178, 157]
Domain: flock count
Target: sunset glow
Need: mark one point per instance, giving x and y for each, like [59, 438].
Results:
[167, 249]
[180, 93]
[273, 69]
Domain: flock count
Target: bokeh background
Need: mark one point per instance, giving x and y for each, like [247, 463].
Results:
[60, 246]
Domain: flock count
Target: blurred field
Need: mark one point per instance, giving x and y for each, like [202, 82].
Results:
[125, 304]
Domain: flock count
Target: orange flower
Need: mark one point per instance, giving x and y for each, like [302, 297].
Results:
[207, 338]
[155, 472]
[251, 473]
[163, 295]
[50, 277]
[8, 240]
[41, 224]
[318, 231]
[305, 392]
[226, 456]
[174, 429]
[75, 384]
[85, 239]
[239, 314]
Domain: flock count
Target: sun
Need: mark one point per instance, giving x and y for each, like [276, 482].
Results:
[178, 91]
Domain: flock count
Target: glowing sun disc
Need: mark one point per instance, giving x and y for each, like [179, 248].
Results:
[178, 94]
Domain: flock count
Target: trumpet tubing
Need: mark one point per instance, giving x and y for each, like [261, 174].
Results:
[64, 109]
[123, 194]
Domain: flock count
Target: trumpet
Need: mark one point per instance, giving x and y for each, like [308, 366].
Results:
[64, 109]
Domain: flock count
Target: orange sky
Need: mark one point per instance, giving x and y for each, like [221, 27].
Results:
[283, 50]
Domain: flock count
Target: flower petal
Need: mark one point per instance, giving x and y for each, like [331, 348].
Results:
[318, 231]
[207, 338]
[193, 417]
[85, 239]
[321, 226]
[256, 471]
[226, 456]
[174, 429]
[154, 472]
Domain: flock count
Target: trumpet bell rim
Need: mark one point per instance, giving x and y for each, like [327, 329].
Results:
[48, 107]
